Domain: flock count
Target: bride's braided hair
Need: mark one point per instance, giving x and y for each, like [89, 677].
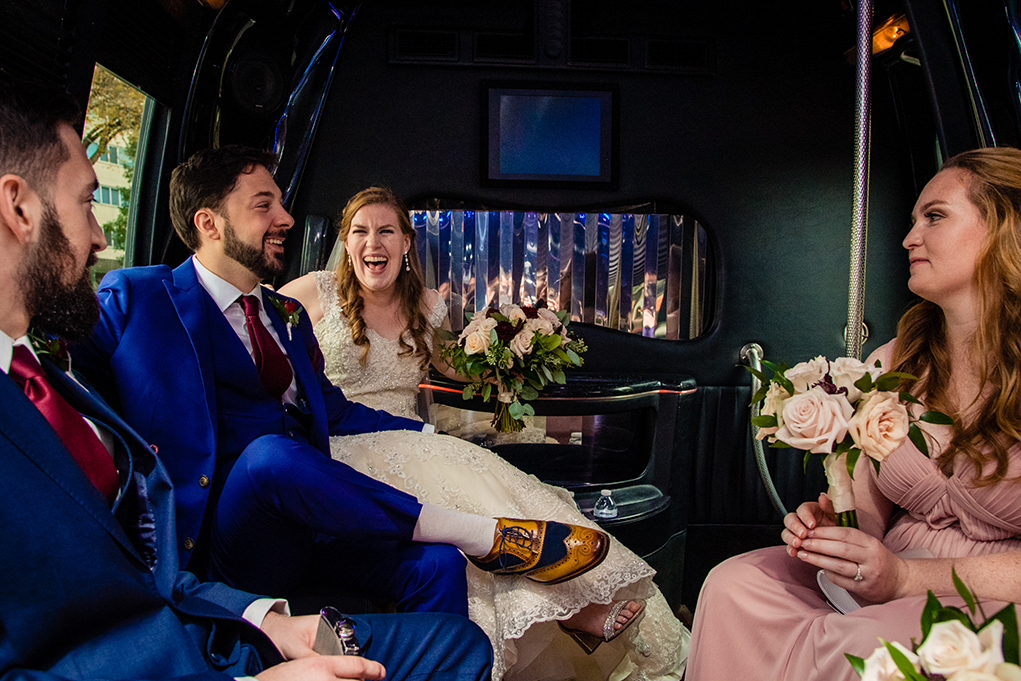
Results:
[410, 287]
[922, 345]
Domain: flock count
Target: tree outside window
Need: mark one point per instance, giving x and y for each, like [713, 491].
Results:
[112, 126]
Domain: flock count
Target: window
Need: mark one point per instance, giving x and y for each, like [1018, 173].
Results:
[108, 196]
[113, 125]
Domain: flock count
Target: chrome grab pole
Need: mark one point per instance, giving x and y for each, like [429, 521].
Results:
[751, 354]
[860, 215]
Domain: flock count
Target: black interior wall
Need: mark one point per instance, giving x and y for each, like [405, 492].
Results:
[760, 151]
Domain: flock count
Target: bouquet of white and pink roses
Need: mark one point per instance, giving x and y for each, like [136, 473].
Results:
[520, 349]
[840, 409]
[953, 648]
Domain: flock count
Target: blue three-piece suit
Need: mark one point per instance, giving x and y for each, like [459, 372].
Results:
[91, 592]
[260, 503]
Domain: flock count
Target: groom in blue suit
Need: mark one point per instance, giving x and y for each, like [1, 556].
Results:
[226, 378]
[91, 586]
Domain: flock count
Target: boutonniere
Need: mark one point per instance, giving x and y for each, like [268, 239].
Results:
[54, 348]
[289, 311]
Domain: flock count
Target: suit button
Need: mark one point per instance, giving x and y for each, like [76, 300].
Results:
[189, 543]
[203, 481]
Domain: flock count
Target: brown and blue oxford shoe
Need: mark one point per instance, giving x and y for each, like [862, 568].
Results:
[543, 551]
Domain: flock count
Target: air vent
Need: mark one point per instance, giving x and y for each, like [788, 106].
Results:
[601, 51]
[687, 56]
[501, 47]
[414, 45]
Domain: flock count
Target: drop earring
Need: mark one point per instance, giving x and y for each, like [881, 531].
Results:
[350, 260]
[407, 262]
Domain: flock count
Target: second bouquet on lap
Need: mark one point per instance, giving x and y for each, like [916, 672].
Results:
[840, 409]
[519, 349]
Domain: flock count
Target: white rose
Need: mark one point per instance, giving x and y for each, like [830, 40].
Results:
[539, 324]
[951, 647]
[480, 323]
[844, 371]
[772, 405]
[476, 343]
[521, 344]
[1008, 672]
[879, 425]
[971, 675]
[879, 666]
[806, 374]
[512, 312]
[814, 420]
[548, 315]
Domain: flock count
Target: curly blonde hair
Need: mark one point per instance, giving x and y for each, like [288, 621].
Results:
[410, 285]
[922, 347]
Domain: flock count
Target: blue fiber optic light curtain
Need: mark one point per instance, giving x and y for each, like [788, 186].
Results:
[639, 273]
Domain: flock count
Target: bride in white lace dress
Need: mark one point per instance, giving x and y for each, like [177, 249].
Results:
[521, 617]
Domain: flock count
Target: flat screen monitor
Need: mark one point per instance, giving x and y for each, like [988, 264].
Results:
[550, 136]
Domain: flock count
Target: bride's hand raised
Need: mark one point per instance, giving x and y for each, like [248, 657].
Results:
[809, 516]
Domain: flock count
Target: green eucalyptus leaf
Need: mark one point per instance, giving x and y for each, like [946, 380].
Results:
[487, 390]
[467, 393]
[517, 410]
[573, 357]
[887, 382]
[528, 393]
[559, 377]
[528, 410]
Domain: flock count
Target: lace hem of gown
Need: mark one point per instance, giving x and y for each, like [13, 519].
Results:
[460, 476]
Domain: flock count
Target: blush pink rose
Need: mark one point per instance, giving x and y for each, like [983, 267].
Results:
[951, 647]
[814, 420]
[879, 666]
[879, 425]
[521, 344]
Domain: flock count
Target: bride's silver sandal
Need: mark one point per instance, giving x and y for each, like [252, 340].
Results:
[589, 642]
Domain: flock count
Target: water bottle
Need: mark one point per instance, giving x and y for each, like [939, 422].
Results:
[605, 506]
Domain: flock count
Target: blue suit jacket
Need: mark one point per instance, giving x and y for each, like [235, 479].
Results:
[92, 594]
[151, 357]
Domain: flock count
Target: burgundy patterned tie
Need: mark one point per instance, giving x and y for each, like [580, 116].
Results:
[71, 428]
[270, 360]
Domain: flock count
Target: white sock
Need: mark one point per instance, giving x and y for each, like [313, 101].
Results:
[473, 534]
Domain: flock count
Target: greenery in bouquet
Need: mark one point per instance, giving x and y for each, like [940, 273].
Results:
[840, 409]
[515, 350]
[953, 647]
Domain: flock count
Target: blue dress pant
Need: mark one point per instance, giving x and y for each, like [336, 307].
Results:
[287, 512]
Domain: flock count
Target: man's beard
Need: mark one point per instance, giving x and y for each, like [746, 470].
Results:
[256, 260]
[67, 310]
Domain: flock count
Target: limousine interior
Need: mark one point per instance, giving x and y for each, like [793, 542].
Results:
[679, 175]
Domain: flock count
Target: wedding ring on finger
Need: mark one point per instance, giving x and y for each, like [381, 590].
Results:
[857, 575]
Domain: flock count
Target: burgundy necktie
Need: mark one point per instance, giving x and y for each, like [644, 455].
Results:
[71, 428]
[270, 360]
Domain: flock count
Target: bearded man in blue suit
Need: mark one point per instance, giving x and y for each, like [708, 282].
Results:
[91, 585]
[226, 378]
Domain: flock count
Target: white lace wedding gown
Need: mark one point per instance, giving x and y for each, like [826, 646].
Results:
[518, 615]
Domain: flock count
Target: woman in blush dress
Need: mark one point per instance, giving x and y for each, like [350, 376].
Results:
[375, 320]
[961, 505]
